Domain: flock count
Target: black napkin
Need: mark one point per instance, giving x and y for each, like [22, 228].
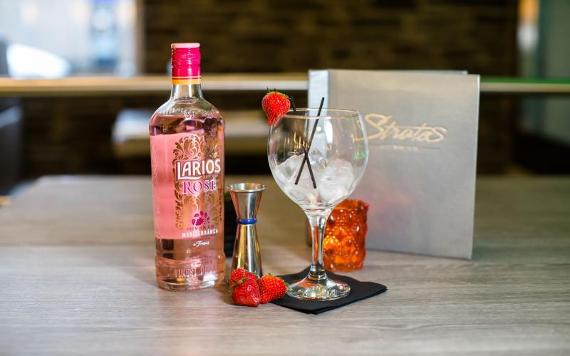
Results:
[358, 291]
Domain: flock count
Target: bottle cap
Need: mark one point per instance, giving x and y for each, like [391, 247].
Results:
[185, 59]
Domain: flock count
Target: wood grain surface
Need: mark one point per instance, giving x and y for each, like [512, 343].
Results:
[77, 274]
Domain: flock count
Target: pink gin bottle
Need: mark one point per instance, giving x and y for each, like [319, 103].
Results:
[187, 158]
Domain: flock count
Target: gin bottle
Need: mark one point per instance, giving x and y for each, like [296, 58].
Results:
[187, 159]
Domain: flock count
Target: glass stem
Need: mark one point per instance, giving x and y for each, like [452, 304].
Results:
[318, 221]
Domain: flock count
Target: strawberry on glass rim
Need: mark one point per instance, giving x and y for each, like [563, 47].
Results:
[275, 105]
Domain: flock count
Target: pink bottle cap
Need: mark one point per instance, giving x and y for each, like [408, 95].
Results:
[185, 61]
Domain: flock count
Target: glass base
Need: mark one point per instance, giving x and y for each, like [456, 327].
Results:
[184, 285]
[318, 290]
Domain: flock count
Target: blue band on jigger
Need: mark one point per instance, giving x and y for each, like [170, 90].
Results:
[247, 221]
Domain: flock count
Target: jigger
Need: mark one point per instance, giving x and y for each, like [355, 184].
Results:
[246, 198]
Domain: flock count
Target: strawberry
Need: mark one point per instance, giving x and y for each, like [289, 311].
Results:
[271, 288]
[245, 290]
[239, 275]
[275, 105]
[246, 293]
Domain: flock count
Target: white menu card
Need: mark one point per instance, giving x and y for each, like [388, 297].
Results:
[422, 131]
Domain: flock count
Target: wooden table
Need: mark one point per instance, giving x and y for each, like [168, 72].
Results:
[76, 265]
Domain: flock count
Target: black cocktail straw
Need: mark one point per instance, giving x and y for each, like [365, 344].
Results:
[304, 149]
[310, 169]
[306, 158]
[292, 100]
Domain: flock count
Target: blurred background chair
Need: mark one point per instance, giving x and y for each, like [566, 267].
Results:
[10, 132]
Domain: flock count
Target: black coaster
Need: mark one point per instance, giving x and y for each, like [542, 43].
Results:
[358, 291]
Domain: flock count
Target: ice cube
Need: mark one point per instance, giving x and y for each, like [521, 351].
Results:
[335, 181]
[290, 167]
[317, 159]
[304, 190]
[301, 193]
[286, 174]
[280, 177]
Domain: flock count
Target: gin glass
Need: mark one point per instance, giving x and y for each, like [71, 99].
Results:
[317, 159]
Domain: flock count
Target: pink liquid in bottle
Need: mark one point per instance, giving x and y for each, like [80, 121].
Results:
[187, 158]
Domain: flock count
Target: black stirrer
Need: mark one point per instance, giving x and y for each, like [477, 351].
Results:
[306, 158]
[292, 100]
[304, 148]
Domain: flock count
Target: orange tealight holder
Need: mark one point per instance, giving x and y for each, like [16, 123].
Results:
[344, 245]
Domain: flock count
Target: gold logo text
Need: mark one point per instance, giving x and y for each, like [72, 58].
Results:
[388, 129]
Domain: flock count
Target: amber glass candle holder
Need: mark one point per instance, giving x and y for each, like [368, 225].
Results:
[344, 245]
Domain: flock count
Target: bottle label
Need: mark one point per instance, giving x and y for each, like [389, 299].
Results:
[187, 175]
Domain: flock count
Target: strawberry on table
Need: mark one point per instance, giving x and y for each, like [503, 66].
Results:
[240, 274]
[246, 292]
[275, 105]
[271, 288]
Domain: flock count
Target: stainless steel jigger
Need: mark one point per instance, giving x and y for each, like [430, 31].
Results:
[246, 198]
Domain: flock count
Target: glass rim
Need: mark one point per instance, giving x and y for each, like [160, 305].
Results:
[345, 114]
[245, 187]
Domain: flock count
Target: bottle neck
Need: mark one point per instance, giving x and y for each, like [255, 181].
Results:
[189, 89]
